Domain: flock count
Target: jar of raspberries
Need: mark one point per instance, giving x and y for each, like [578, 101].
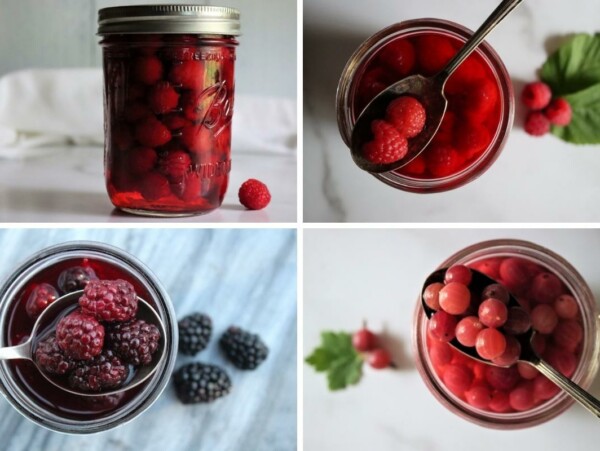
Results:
[554, 301]
[168, 102]
[474, 128]
[96, 346]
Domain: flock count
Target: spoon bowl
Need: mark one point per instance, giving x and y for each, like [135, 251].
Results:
[65, 303]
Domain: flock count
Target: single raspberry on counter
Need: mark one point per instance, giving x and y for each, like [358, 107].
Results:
[244, 349]
[537, 124]
[147, 69]
[104, 372]
[40, 297]
[188, 74]
[254, 195]
[154, 186]
[142, 160]
[200, 383]
[109, 300]
[399, 56]
[407, 115]
[559, 112]
[387, 146]
[75, 278]
[80, 336]
[152, 133]
[134, 341]
[536, 95]
[174, 165]
[194, 333]
[51, 357]
[163, 98]
[442, 160]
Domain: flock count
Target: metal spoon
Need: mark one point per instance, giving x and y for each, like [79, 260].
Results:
[428, 90]
[528, 353]
[27, 350]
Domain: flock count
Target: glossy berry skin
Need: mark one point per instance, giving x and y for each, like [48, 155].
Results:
[379, 359]
[388, 144]
[52, 358]
[188, 74]
[364, 340]
[104, 372]
[459, 274]
[511, 354]
[408, 115]
[566, 307]
[490, 344]
[254, 194]
[75, 278]
[80, 336]
[544, 318]
[244, 349]
[546, 287]
[147, 70]
[152, 133]
[442, 326]
[41, 297]
[163, 98]
[134, 341]
[537, 124]
[109, 300]
[559, 112]
[467, 330]
[431, 295]
[517, 322]
[536, 95]
[496, 291]
[455, 298]
[174, 165]
[399, 57]
[442, 160]
[493, 313]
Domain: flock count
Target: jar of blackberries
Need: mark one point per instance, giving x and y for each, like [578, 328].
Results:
[60, 269]
[480, 98]
[518, 396]
[168, 102]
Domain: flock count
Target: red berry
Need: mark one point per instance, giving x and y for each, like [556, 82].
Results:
[75, 278]
[109, 300]
[147, 70]
[40, 297]
[459, 274]
[431, 295]
[543, 318]
[493, 313]
[479, 98]
[559, 112]
[399, 56]
[188, 74]
[472, 139]
[51, 357]
[499, 402]
[442, 326]
[501, 378]
[511, 354]
[387, 146]
[154, 186]
[407, 114]
[152, 133]
[496, 291]
[372, 83]
[563, 361]
[417, 166]
[467, 330]
[536, 124]
[163, 98]
[197, 139]
[175, 122]
[514, 273]
[80, 336]
[566, 306]
[142, 160]
[455, 298]
[380, 359]
[521, 397]
[479, 396]
[442, 160]
[122, 138]
[457, 378]
[189, 188]
[254, 195]
[174, 165]
[433, 53]
[136, 111]
[568, 334]
[545, 288]
[364, 340]
[544, 388]
[536, 96]
[490, 344]
[440, 353]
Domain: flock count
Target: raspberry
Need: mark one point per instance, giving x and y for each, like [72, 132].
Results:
[372, 83]
[254, 195]
[41, 297]
[80, 336]
[163, 98]
[51, 357]
[75, 278]
[559, 112]
[175, 122]
[188, 74]
[399, 56]
[147, 70]
[418, 166]
[470, 71]
[200, 383]
[407, 115]
[433, 53]
[154, 186]
[537, 124]
[244, 349]
[442, 160]
[174, 165]
[104, 372]
[536, 96]
[472, 139]
[478, 99]
[189, 188]
[109, 300]
[194, 105]
[152, 133]
[136, 111]
[133, 342]
[388, 144]
[194, 333]
[197, 138]
[142, 160]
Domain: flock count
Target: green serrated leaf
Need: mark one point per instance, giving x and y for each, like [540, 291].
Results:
[574, 66]
[321, 359]
[344, 371]
[585, 125]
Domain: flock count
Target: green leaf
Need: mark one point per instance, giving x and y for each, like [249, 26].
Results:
[338, 358]
[585, 125]
[574, 66]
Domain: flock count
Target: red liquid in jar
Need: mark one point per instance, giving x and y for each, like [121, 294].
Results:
[168, 111]
[520, 387]
[26, 373]
[474, 105]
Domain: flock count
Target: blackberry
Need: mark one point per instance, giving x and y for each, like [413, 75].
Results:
[80, 336]
[198, 382]
[109, 300]
[194, 333]
[104, 372]
[41, 297]
[51, 358]
[75, 278]
[244, 349]
[134, 342]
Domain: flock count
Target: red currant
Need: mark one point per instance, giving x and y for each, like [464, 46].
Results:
[380, 359]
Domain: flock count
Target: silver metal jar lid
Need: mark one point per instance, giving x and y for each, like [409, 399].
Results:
[169, 19]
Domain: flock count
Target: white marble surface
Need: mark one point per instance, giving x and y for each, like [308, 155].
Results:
[67, 185]
[534, 180]
[243, 277]
[351, 275]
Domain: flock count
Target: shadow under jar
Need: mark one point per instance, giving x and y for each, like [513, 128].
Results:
[517, 397]
[21, 382]
[480, 100]
[168, 106]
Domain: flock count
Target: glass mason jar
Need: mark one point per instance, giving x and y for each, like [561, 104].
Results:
[481, 137]
[168, 106]
[20, 381]
[589, 347]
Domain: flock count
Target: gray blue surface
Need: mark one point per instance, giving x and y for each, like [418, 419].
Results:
[243, 277]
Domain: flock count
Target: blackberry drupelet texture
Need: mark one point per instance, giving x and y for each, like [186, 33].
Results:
[80, 336]
[104, 372]
[194, 333]
[109, 300]
[201, 383]
[244, 349]
[75, 278]
[51, 358]
[134, 342]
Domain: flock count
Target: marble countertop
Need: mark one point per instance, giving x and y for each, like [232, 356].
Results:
[534, 179]
[67, 185]
[393, 409]
[242, 277]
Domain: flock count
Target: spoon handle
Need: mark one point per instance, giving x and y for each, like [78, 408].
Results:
[495, 18]
[22, 351]
[578, 393]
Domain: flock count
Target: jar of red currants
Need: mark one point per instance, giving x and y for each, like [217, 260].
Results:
[564, 314]
[168, 106]
[480, 100]
[59, 269]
